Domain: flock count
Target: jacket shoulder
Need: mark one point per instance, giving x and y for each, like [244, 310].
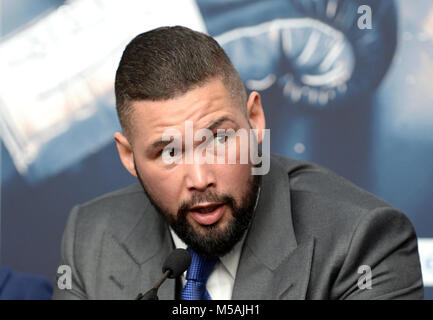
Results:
[115, 212]
[351, 227]
[313, 180]
[324, 202]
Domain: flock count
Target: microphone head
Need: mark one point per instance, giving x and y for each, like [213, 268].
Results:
[177, 262]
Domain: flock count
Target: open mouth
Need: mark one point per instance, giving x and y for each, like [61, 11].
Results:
[207, 213]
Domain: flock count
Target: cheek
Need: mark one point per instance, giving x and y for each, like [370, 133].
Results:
[162, 186]
[235, 177]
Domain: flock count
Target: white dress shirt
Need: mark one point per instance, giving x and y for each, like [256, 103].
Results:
[221, 280]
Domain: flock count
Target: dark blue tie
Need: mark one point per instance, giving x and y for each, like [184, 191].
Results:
[196, 276]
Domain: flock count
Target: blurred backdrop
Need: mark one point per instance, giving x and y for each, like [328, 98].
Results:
[351, 96]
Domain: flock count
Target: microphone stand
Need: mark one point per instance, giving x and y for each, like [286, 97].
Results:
[152, 293]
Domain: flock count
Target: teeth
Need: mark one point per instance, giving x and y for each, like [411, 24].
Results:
[206, 209]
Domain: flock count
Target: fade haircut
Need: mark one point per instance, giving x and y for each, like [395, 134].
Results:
[167, 62]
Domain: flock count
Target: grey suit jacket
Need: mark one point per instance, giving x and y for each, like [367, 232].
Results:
[311, 232]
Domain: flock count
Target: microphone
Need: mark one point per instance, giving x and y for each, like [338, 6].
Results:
[174, 265]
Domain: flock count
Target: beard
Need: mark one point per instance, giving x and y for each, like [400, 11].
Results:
[213, 242]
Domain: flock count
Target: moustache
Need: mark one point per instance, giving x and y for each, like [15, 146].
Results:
[197, 198]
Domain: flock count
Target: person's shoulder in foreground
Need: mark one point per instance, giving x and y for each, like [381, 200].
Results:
[346, 243]
[16, 285]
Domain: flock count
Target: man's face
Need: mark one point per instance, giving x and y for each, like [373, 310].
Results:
[208, 205]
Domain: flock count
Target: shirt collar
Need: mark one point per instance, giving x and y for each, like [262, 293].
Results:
[230, 260]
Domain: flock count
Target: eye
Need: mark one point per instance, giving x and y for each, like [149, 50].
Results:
[221, 138]
[169, 152]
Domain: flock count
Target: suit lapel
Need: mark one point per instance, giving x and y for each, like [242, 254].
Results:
[273, 265]
[133, 264]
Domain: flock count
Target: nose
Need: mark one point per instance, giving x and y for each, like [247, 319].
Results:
[199, 177]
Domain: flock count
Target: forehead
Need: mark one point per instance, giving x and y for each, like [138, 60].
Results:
[200, 105]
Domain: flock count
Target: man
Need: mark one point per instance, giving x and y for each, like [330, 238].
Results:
[298, 231]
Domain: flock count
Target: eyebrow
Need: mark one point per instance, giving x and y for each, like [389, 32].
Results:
[218, 122]
[160, 143]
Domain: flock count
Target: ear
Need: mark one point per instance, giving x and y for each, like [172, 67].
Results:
[255, 114]
[125, 153]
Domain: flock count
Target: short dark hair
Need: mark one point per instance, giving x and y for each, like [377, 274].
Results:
[167, 62]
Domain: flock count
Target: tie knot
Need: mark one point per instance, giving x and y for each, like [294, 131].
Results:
[200, 267]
